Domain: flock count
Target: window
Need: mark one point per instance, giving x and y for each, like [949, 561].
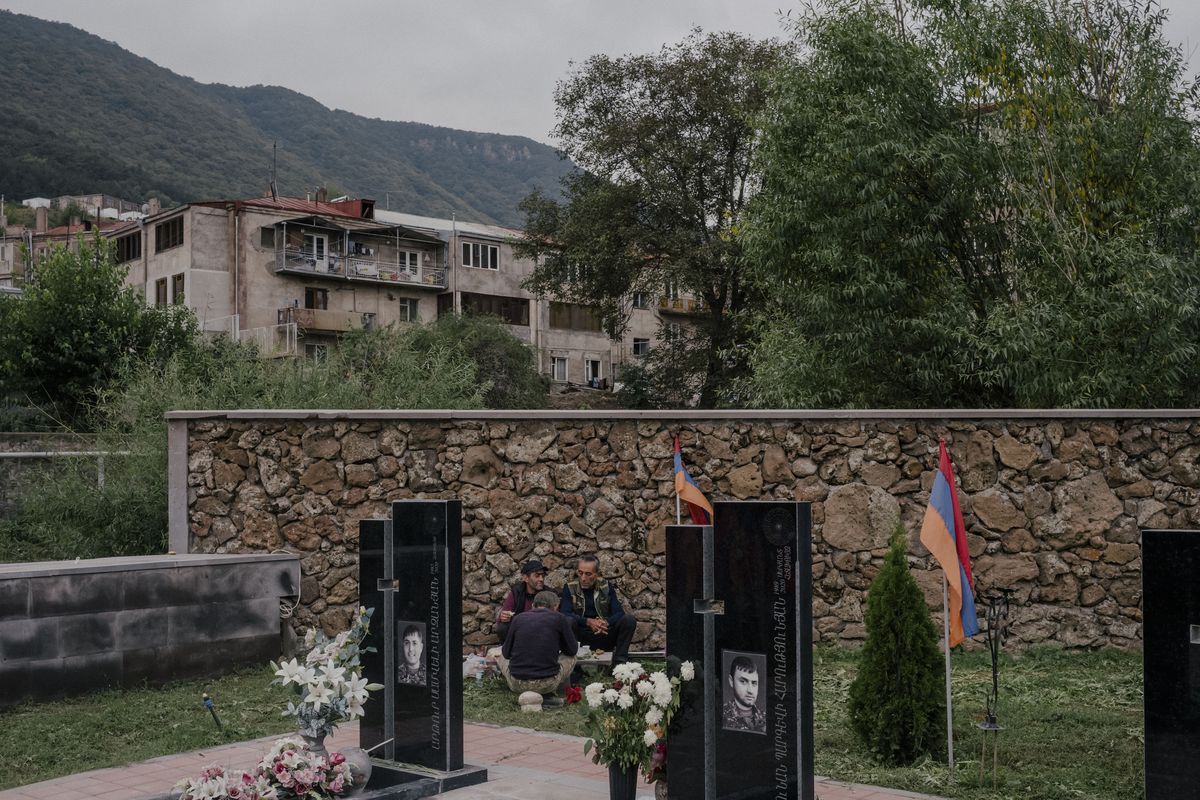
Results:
[129, 247]
[409, 261]
[641, 347]
[267, 237]
[408, 309]
[591, 370]
[559, 368]
[316, 352]
[445, 304]
[316, 249]
[640, 300]
[160, 292]
[168, 234]
[575, 317]
[177, 296]
[480, 256]
[316, 298]
[513, 310]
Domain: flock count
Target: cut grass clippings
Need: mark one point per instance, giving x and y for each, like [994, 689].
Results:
[1073, 726]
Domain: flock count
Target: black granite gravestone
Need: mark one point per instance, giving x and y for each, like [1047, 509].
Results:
[410, 572]
[739, 605]
[1171, 663]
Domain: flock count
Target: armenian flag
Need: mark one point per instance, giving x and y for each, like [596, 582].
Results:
[945, 535]
[687, 490]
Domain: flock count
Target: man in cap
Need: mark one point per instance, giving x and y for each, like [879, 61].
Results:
[520, 596]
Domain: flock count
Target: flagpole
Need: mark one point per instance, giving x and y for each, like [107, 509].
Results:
[678, 518]
[949, 706]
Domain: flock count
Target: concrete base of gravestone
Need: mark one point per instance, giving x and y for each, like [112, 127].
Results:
[531, 702]
[390, 782]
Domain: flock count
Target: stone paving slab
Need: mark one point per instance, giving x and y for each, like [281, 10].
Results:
[522, 765]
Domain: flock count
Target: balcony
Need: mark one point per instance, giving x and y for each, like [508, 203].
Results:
[681, 305]
[319, 319]
[357, 269]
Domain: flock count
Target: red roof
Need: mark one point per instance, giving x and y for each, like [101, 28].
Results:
[357, 208]
[70, 230]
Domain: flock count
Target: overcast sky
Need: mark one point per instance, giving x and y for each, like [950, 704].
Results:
[480, 65]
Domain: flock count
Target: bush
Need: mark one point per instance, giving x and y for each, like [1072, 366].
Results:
[897, 705]
[68, 336]
[62, 511]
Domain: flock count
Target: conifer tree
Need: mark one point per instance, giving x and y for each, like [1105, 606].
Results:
[896, 702]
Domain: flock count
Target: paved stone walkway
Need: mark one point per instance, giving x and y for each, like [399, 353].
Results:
[522, 765]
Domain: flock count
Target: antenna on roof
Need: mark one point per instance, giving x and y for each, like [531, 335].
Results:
[274, 164]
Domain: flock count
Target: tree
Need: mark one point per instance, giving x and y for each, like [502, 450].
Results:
[665, 146]
[503, 363]
[980, 203]
[896, 703]
[66, 338]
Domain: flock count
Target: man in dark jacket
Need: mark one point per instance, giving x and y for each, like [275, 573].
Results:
[520, 596]
[592, 605]
[539, 651]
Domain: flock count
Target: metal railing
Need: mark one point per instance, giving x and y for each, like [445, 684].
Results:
[272, 340]
[358, 268]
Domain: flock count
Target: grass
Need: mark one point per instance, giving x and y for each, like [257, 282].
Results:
[46, 740]
[1073, 726]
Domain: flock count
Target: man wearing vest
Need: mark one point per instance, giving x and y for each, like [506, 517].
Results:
[520, 596]
[592, 605]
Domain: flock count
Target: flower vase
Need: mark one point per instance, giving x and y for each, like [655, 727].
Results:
[316, 744]
[622, 781]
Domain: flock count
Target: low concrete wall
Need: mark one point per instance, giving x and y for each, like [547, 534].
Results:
[72, 626]
[1053, 499]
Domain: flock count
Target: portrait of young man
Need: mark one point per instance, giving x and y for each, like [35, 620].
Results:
[743, 692]
[412, 653]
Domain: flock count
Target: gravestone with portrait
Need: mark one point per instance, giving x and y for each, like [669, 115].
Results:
[410, 572]
[739, 605]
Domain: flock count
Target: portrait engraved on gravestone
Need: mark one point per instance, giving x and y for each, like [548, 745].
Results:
[410, 656]
[743, 706]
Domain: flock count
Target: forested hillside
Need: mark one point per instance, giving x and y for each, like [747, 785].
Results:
[80, 114]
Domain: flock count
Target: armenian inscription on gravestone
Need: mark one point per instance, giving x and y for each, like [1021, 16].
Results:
[410, 571]
[739, 605]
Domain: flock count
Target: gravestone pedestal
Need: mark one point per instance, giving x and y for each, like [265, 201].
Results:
[410, 572]
[739, 605]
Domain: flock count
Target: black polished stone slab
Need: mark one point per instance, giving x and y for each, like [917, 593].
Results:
[761, 582]
[411, 572]
[1171, 663]
[685, 642]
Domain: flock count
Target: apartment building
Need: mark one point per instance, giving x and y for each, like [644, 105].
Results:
[293, 274]
[22, 248]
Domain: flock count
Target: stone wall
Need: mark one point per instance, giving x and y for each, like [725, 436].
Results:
[1053, 503]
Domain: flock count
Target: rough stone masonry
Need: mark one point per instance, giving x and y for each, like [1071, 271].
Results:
[1053, 503]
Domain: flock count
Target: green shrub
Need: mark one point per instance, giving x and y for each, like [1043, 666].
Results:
[897, 704]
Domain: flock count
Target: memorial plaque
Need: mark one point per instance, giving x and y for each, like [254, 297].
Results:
[1171, 662]
[410, 571]
[748, 579]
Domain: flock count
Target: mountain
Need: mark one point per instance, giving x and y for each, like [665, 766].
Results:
[80, 114]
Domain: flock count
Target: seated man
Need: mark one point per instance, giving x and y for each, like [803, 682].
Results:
[520, 596]
[539, 651]
[741, 711]
[592, 606]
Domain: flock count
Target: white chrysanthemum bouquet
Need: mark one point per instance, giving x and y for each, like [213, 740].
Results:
[328, 682]
[628, 716]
